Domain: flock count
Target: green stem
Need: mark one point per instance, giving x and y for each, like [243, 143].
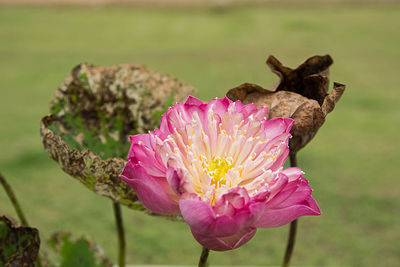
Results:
[121, 234]
[17, 207]
[204, 257]
[293, 159]
[290, 243]
[13, 200]
[293, 225]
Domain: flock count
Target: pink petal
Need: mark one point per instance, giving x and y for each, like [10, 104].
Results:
[261, 113]
[211, 221]
[142, 138]
[237, 196]
[235, 199]
[224, 208]
[174, 180]
[202, 219]
[237, 106]
[280, 160]
[262, 195]
[164, 129]
[219, 106]
[193, 101]
[292, 173]
[289, 205]
[226, 243]
[301, 193]
[278, 185]
[149, 191]
[178, 181]
[143, 150]
[279, 217]
[146, 157]
[138, 139]
[277, 126]
[285, 194]
[248, 110]
[192, 105]
[175, 118]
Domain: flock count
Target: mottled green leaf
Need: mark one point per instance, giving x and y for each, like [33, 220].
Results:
[94, 112]
[78, 253]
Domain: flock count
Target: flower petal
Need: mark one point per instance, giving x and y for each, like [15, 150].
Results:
[279, 217]
[150, 191]
[146, 158]
[300, 192]
[286, 193]
[219, 106]
[277, 126]
[202, 219]
[142, 151]
[193, 101]
[278, 185]
[226, 243]
[178, 181]
[174, 180]
[289, 205]
[230, 215]
[292, 173]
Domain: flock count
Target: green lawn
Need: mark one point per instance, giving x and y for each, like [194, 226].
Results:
[351, 163]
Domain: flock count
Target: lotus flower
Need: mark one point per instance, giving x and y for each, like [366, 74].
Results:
[219, 165]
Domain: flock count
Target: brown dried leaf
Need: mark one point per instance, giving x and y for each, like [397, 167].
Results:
[100, 176]
[19, 245]
[301, 94]
[310, 78]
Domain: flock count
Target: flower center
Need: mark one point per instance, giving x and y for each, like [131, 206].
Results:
[218, 167]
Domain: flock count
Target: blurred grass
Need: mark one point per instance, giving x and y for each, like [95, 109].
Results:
[352, 163]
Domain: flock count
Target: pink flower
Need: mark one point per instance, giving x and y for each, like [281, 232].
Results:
[220, 166]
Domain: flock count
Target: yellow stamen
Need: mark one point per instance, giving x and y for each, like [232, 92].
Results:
[240, 125]
[214, 197]
[218, 169]
[241, 171]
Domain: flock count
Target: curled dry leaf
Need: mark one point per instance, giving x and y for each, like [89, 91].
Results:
[19, 245]
[92, 115]
[301, 94]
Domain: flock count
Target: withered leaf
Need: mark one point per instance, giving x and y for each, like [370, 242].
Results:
[301, 94]
[94, 112]
[19, 245]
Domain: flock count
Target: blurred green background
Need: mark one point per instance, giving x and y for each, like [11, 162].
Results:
[351, 163]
